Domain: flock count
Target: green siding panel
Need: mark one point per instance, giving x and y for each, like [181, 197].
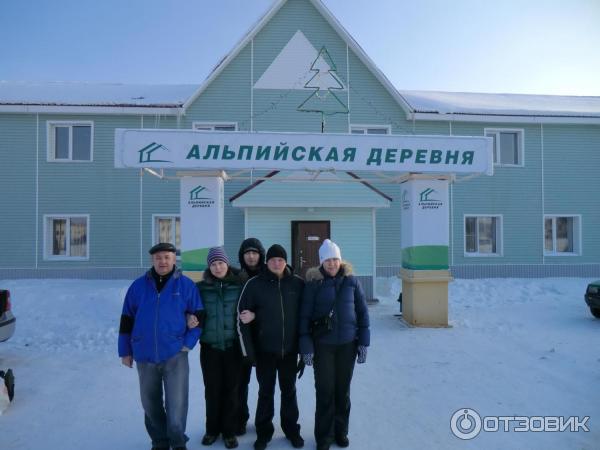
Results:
[18, 186]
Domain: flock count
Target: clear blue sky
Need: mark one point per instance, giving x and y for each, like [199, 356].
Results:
[516, 46]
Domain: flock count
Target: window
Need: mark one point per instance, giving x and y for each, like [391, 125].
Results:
[70, 141]
[562, 235]
[483, 235]
[66, 237]
[210, 126]
[167, 229]
[508, 146]
[370, 129]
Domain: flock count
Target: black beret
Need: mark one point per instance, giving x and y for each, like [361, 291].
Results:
[162, 247]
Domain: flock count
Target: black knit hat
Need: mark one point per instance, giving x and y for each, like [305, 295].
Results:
[162, 247]
[276, 251]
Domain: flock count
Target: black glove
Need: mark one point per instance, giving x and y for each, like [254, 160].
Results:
[300, 367]
[308, 359]
[361, 354]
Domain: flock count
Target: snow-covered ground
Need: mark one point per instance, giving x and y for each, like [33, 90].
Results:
[516, 347]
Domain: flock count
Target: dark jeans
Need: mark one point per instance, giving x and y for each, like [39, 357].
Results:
[244, 412]
[166, 422]
[220, 370]
[333, 366]
[269, 367]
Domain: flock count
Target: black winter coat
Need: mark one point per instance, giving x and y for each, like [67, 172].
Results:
[276, 303]
[345, 295]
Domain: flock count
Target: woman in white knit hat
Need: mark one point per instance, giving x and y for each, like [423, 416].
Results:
[334, 333]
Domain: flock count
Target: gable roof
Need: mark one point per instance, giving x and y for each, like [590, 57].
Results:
[333, 22]
[333, 190]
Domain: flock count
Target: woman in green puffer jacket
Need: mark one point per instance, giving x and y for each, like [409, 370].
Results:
[220, 356]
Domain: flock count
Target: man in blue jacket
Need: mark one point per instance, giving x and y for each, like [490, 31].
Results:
[153, 333]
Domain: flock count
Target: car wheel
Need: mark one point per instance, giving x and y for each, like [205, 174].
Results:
[595, 312]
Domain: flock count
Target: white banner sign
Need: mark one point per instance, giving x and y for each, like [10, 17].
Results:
[187, 149]
[424, 231]
[201, 219]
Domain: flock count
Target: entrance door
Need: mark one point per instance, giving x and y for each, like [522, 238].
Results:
[307, 237]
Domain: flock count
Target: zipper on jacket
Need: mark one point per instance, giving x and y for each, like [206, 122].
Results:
[221, 305]
[282, 319]
[156, 326]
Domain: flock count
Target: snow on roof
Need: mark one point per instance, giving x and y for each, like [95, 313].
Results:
[502, 104]
[62, 93]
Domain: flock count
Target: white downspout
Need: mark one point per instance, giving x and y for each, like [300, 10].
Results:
[374, 227]
[348, 83]
[141, 209]
[252, 85]
[451, 211]
[37, 187]
[543, 196]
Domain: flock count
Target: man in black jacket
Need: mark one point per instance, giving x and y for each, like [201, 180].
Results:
[252, 261]
[269, 307]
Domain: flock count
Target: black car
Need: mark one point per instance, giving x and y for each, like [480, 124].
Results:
[592, 298]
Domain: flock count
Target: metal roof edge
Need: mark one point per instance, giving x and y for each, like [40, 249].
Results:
[504, 118]
[82, 109]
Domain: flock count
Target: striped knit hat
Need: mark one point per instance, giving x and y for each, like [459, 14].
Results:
[217, 254]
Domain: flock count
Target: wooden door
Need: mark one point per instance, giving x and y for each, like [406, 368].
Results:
[307, 237]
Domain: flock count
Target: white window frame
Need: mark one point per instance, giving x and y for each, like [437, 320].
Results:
[212, 125]
[577, 238]
[365, 127]
[155, 230]
[51, 139]
[499, 236]
[520, 142]
[48, 256]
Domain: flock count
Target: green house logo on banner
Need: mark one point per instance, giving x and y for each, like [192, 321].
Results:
[148, 153]
[425, 195]
[195, 194]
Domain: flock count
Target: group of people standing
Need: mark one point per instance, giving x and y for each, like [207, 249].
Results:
[261, 315]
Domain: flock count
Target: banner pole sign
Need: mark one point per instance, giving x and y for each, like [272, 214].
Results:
[188, 149]
[424, 231]
[425, 237]
[202, 219]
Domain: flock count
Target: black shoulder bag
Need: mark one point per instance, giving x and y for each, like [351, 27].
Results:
[324, 324]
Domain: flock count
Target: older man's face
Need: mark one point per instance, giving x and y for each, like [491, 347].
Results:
[163, 262]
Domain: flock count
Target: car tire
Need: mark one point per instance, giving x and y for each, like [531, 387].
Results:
[595, 312]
